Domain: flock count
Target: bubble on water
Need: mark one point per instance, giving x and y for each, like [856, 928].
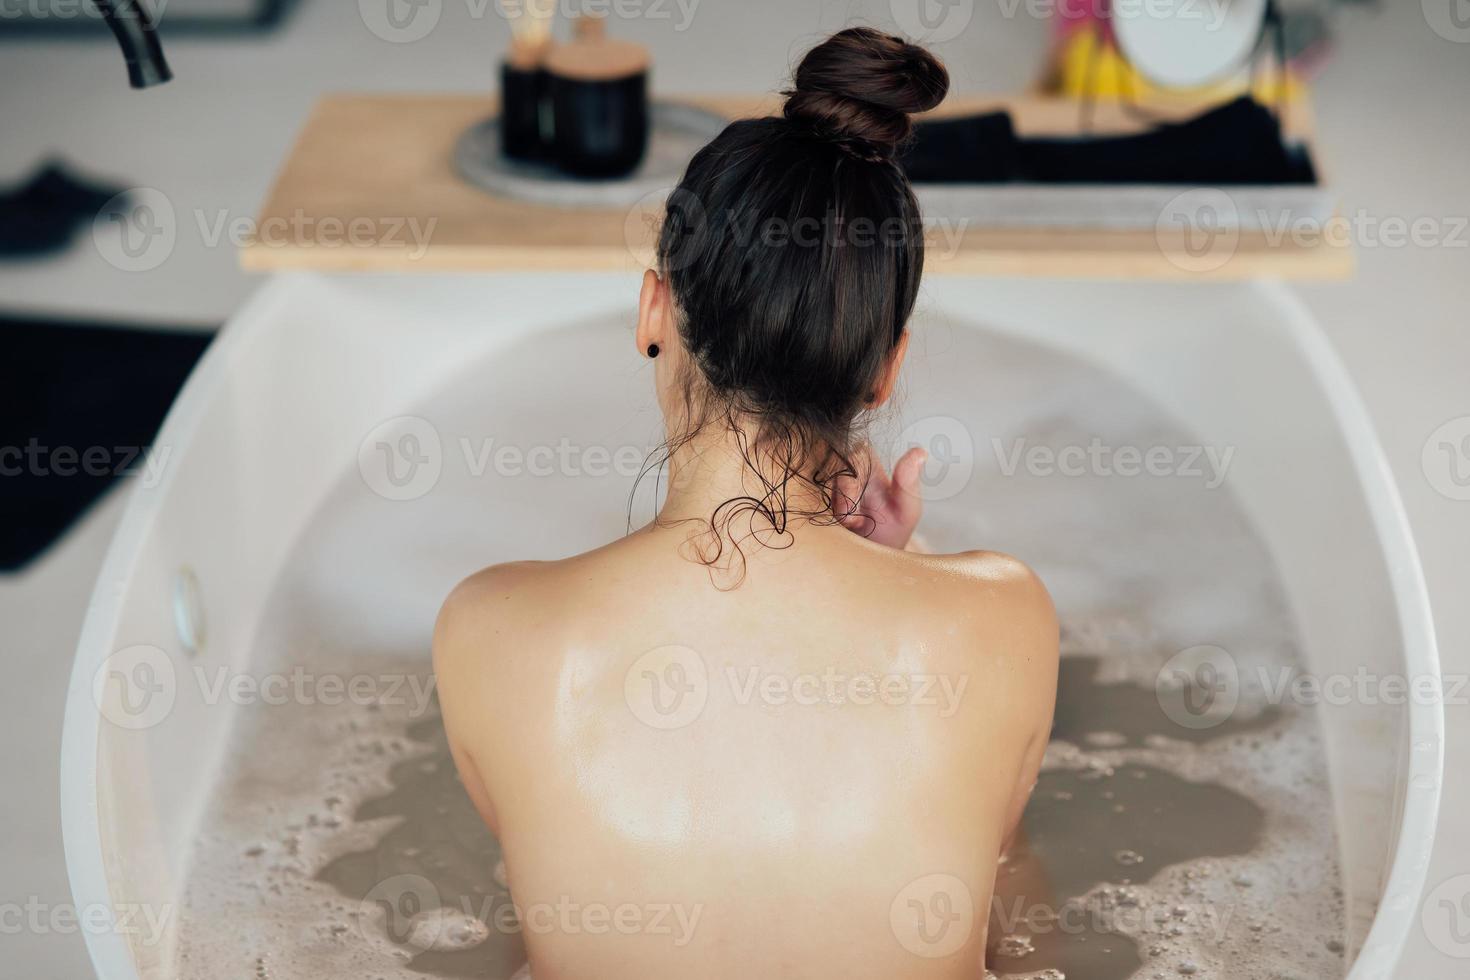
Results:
[1128, 858]
[446, 930]
[1015, 946]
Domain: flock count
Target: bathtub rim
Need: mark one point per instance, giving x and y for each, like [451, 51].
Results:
[1418, 822]
[81, 826]
[83, 843]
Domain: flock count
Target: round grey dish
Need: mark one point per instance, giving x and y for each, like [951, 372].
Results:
[677, 133]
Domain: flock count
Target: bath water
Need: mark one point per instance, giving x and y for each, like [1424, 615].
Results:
[338, 842]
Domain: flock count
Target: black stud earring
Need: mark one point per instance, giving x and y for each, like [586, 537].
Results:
[653, 350]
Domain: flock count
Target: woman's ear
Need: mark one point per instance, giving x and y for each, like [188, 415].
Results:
[655, 314]
[888, 377]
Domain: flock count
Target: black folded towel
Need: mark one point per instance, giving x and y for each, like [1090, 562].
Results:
[43, 213]
[79, 405]
[970, 150]
[1236, 143]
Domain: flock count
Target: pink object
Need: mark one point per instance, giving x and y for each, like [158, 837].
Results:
[1071, 16]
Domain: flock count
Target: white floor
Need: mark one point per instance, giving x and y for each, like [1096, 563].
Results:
[1391, 110]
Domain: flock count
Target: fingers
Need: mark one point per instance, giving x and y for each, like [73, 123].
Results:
[909, 470]
[906, 497]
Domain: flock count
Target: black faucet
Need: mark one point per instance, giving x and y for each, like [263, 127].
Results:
[138, 38]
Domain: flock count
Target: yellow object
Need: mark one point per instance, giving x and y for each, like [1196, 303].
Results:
[1089, 66]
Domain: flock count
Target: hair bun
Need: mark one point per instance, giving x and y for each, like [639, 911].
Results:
[862, 84]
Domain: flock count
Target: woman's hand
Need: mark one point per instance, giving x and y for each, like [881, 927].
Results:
[888, 509]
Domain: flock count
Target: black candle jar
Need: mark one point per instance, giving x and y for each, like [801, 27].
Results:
[524, 105]
[599, 100]
[601, 125]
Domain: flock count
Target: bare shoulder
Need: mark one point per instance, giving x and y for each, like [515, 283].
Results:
[1003, 576]
[1008, 609]
[485, 610]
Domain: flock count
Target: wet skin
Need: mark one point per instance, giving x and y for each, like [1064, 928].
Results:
[715, 768]
[766, 771]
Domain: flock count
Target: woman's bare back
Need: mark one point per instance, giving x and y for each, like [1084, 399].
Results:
[810, 775]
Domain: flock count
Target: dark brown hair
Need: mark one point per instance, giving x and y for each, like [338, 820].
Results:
[793, 247]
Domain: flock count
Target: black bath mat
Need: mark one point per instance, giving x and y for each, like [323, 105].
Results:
[80, 404]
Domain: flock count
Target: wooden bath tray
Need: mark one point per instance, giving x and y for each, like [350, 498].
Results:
[371, 186]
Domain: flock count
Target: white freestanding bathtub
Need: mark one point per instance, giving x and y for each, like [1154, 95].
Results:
[281, 405]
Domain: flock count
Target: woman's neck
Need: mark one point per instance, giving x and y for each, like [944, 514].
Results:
[719, 465]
